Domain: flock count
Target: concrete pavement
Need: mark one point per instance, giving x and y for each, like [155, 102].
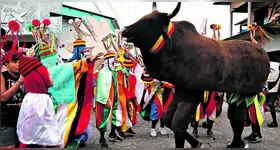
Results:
[221, 129]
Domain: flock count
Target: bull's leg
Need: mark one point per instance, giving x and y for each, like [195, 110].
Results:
[179, 113]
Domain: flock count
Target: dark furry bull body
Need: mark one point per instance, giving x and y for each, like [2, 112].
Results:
[239, 66]
[194, 63]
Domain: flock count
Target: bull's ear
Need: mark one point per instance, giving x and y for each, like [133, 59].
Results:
[175, 11]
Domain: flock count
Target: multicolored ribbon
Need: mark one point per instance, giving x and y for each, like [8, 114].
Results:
[160, 42]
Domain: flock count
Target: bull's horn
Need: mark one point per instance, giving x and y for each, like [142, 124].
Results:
[175, 11]
[154, 6]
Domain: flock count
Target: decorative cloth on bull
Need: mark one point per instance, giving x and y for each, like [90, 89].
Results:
[160, 42]
[41, 127]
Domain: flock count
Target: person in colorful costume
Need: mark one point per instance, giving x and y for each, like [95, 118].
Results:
[73, 107]
[131, 99]
[106, 99]
[271, 93]
[211, 107]
[256, 114]
[239, 107]
[37, 104]
[154, 102]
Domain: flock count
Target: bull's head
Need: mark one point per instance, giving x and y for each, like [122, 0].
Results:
[145, 32]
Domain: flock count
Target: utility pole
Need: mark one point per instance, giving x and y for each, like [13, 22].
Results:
[249, 12]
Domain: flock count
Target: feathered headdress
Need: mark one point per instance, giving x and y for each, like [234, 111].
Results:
[81, 33]
[14, 27]
[43, 35]
[216, 27]
[255, 27]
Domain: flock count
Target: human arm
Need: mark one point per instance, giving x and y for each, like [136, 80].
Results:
[8, 93]
[43, 72]
[95, 58]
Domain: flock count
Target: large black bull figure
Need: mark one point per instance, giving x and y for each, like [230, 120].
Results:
[175, 52]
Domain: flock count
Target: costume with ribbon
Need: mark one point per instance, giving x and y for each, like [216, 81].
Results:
[154, 102]
[72, 95]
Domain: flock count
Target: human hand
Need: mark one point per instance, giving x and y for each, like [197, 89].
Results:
[21, 79]
[96, 57]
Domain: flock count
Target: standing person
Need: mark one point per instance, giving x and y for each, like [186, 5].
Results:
[155, 102]
[211, 107]
[12, 94]
[37, 124]
[273, 86]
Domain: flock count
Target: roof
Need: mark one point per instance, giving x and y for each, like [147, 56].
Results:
[113, 20]
[242, 22]
[221, 3]
[272, 27]
[93, 13]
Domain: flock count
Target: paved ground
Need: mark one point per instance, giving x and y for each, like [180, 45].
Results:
[221, 129]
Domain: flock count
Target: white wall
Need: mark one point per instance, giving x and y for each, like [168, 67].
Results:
[127, 13]
[66, 36]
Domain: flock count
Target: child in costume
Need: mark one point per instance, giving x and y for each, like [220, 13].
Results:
[153, 105]
[37, 124]
[270, 93]
[128, 86]
[211, 107]
[12, 93]
[105, 99]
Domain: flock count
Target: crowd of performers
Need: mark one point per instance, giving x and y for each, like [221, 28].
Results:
[46, 102]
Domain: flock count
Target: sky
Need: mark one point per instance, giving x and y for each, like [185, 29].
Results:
[129, 12]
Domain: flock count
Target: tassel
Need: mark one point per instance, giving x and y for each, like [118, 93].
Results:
[262, 30]
[251, 29]
[206, 95]
[258, 111]
[197, 113]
